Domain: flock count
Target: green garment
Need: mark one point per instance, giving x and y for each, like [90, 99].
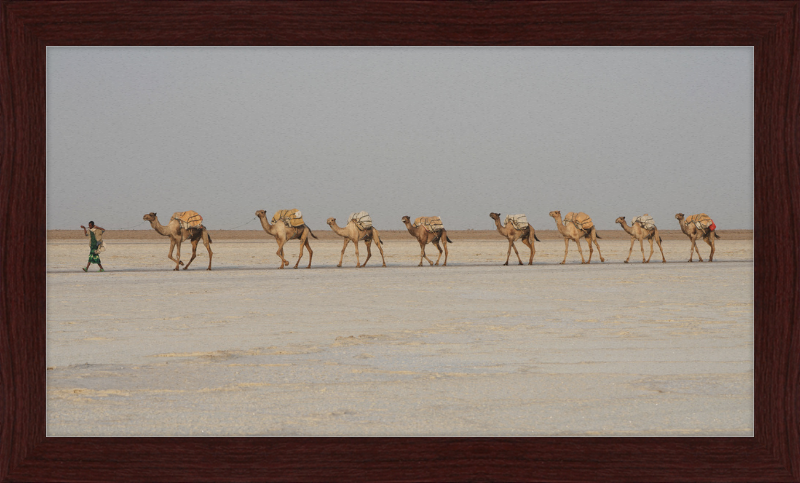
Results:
[93, 256]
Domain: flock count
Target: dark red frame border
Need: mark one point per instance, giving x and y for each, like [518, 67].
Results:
[772, 27]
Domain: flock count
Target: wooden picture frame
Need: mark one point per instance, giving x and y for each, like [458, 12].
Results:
[772, 27]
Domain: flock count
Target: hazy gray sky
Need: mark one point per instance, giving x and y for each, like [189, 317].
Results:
[453, 132]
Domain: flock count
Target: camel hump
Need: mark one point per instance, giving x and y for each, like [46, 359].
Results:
[581, 220]
[520, 222]
[362, 219]
[701, 221]
[290, 218]
[188, 219]
[646, 221]
[431, 223]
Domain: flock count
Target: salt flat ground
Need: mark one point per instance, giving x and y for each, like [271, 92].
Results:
[474, 348]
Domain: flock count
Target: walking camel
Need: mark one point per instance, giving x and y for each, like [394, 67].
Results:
[283, 233]
[571, 232]
[424, 237]
[512, 234]
[638, 232]
[694, 233]
[177, 234]
[352, 233]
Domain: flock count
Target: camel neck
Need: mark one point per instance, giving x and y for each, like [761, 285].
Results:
[158, 227]
[628, 230]
[265, 224]
[337, 229]
[559, 225]
[499, 225]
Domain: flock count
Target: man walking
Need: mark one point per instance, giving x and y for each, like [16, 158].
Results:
[96, 244]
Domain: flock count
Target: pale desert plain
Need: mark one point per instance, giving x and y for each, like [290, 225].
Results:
[471, 349]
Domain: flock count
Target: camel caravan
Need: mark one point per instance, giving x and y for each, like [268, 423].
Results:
[288, 225]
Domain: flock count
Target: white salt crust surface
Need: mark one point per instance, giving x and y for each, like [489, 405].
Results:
[471, 349]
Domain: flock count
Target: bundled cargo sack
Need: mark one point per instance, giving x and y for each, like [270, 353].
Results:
[431, 223]
[362, 219]
[646, 221]
[702, 221]
[188, 219]
[520, 222]
[580, 220]
[290, 218]
[98, 236]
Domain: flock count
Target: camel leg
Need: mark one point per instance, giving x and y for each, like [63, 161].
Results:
[284, 262]
[599, 253]
[171, 249]
[641, 246]
[591, 250]
[422, 254]
[633, 240]
[530, 245]
[517, 252]
[694, 241]
[692, 249]
[310, 253]
[710, 241]
[194, 253]
[440, 253]
[444, 243]
[566, 249]
[304, 244]
[663, 259]
[358, 258]
[508, 255]
[578, 242]
[346, 241]
[207, 243]
[178, 254]
[651, 251]
[368, 243]
[378, 243]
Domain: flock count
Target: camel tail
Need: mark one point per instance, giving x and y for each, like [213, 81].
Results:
[535, 237]
[597, 236]
[444, 232]
[716, 236]
[311, 232]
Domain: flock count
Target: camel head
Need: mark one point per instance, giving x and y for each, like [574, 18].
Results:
[555, 214]
[679, 216]
[149, 217]
[331, 221]
[620, 220]
[494, 216]
[406, 219]
[261, 213]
